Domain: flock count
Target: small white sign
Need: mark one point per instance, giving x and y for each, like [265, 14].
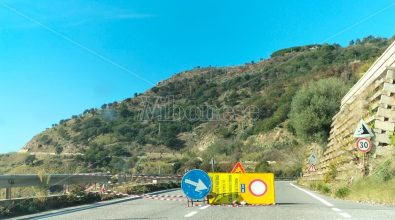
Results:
[312, 159]
[363, 130]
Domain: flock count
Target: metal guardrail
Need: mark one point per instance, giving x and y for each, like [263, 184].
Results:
[11, 181]
[285, 178]
[7, 181]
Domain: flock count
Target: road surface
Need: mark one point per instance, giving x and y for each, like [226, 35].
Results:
[293, 202]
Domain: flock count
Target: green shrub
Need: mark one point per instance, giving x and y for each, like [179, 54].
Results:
[332, 171]
[393, 139]
[383, 173]
[325, 189]
[263, 167]
[331, 175]
[4, 211]
[322, 187]
[314, 106]
[342, 192]
[313, 185]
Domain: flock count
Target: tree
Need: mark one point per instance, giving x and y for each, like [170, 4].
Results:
[29, 160]
[97, 156]
[45, 139]
[263, 167]
[58, 149]
[119, 151]
[124, 111]
[314, 106]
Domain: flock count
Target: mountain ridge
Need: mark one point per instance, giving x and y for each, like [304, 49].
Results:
[175, 122]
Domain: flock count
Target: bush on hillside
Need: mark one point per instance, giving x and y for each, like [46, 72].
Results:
[314, 106]
[263, 167]
[322, 187]
[384, 172]
[342, 192]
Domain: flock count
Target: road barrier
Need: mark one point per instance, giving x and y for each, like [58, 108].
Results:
[242, 188]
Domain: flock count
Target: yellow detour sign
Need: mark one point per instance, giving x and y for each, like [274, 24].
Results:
[252, 188]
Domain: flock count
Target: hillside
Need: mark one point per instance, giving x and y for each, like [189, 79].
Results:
[229, 113]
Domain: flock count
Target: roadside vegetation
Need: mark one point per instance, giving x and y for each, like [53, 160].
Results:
[378, 188]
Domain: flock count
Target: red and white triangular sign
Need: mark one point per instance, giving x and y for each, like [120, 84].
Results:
[238, 168]
[312, 168]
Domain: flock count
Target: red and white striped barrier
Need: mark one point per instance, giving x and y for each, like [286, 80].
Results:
[179, 198]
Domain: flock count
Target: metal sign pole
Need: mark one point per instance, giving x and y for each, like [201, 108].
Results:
[363, 164]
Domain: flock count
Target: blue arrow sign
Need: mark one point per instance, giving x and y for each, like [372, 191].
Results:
[196, 184]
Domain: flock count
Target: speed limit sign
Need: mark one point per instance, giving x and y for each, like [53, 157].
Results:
[364, 145]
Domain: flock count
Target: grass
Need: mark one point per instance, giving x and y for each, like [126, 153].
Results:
[372, 190]
[377, 188]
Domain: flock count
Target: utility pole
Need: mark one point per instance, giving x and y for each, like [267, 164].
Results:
[212, 163]
[8, 193]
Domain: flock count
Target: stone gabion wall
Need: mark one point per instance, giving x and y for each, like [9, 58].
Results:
[376, 105]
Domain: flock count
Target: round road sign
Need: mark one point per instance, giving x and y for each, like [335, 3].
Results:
[196, 184]
[257, 187]
[364, 145]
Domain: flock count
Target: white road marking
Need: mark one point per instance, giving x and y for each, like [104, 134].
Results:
[190, 214]
[336, 210]
[323, 201]
[345, 215]
[204, 207]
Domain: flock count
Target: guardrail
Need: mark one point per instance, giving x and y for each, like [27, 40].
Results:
[11, 181]
[285, 178]
[144, 177]
[7, 181]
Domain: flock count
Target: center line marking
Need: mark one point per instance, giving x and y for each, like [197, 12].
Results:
[314, 196]
[190, 214]
[204, 207]
[345, 215]
[336, 210]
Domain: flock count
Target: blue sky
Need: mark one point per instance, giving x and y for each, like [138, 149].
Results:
[58, 58]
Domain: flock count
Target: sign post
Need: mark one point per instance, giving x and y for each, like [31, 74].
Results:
[196, 185]
[363, 144]
[312, 161]
[212, 162]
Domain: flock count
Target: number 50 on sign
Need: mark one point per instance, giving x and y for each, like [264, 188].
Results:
[364, 145]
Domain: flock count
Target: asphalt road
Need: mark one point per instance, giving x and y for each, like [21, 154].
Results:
[293, 202]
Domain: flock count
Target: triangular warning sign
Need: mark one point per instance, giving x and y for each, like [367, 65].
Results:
[238, 168]
[363, 130]
[312, 169]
